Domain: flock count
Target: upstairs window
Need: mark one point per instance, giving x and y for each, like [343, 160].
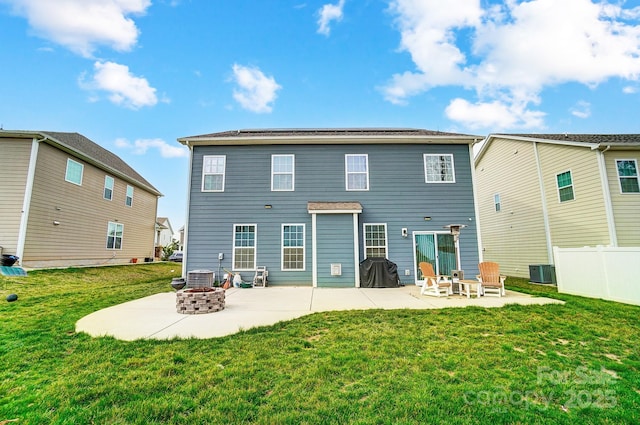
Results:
[108, 188]
[496, 202]
[114, 235]
[357, 172]
[439, 168]
[282, 172]
[244, 247]
[74, 172]
[129, 199]
[628, 175]
[375, 240]
[565, 186]
[213, 170]
[293, 247]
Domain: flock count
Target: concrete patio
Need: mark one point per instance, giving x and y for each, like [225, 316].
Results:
[155, 317]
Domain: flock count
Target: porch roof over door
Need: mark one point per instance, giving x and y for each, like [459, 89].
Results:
[334, 207]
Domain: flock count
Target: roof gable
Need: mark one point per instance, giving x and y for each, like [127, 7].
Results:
[591, 141]
[79, 145]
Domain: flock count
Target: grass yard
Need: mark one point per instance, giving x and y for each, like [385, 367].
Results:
[577, 363]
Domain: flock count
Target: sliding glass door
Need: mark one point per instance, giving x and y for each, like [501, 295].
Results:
[436, 248]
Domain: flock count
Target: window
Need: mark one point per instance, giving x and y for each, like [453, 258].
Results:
[244, 247]
[129, 199]
[565, 186]
[293, 247]
[282, 172]
[357, 169]
[496, 202]
[439, 168]
[108, 188]
[213, 167]
[114, 235]
[74, 172]
[628, 175]
[375, 240]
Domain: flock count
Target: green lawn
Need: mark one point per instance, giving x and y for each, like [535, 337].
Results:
[576, 363]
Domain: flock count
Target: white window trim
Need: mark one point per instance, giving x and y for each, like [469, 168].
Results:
[347, 172]
[497, 203]
[620, 177]
[573, 186]
[386, 238]
[67, 170]
[121, 239]
[255, 246]
[453, 168]
[113, 183]
[126, 197]
[224, 173]
[304, 247]
[292, 173]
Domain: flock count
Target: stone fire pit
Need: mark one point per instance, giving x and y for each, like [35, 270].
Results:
[200, 300]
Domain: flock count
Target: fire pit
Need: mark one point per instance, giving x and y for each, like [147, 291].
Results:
[200, 300]
[200, 296]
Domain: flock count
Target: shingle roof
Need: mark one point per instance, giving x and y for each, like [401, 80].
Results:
[320, 207]
[631, 139]
[277, 132]
[82, 145]
[592, 141]
[328, 135]
[77, 144]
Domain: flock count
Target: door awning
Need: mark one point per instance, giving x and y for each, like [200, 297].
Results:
[334, 207]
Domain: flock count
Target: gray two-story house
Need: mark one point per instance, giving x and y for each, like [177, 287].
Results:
[311, 204]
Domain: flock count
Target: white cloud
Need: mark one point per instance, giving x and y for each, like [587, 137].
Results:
[141, 146]
[327, 14]
[255, 92]
[123, 87]
[82, 25]
[497, 115]
[512, 51]
[581, 109]
[629, 90]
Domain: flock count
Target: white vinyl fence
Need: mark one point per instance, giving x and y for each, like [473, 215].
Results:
[599, 272]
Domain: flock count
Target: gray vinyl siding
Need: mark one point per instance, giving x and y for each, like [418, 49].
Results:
[398, 196]
[14, 166]
[335, 246]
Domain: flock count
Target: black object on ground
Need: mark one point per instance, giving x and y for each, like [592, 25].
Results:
[378, 272]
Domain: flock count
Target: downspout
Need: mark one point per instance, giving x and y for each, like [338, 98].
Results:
[606, 194]
[545, 211]
[314, 254]
[356, 249]
[475, 207]
[26, 202]
[186, 220]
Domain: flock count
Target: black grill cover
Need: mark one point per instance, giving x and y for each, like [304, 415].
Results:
[378, 273]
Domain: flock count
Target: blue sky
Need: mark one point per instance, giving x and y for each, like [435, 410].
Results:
[134, 75]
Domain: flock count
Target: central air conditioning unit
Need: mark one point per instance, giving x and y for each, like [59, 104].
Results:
[542, 273]
[200, 279]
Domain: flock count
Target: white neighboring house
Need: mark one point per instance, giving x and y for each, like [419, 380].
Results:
[164, 232]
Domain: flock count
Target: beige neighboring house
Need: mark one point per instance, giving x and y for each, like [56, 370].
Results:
[537, 191]
[164, 231]
[66, 201]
